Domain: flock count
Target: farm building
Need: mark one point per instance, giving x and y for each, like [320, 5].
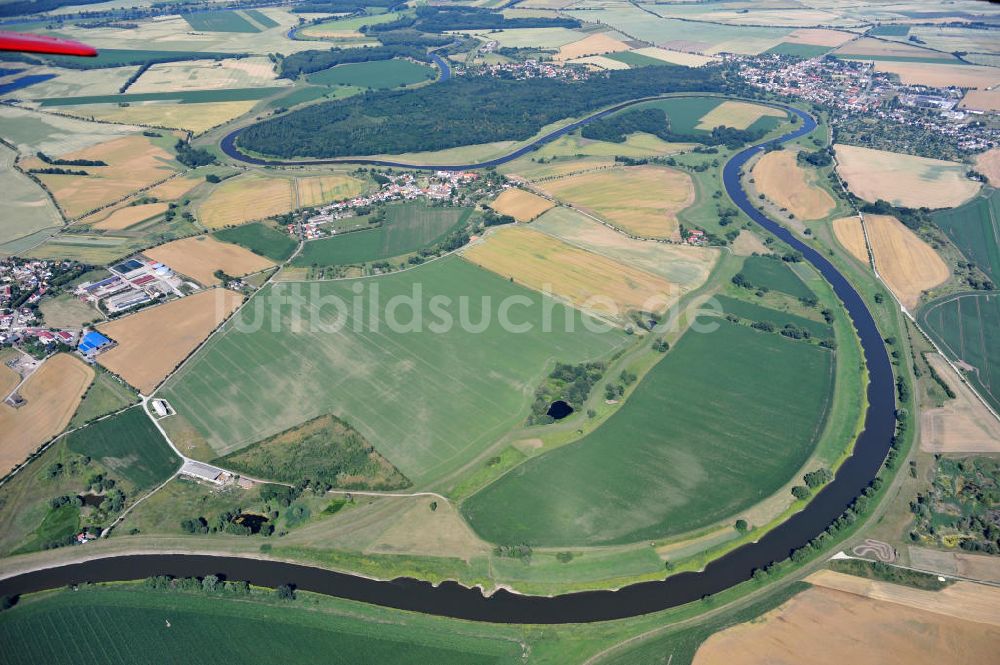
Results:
[93, 343]
[201, 471]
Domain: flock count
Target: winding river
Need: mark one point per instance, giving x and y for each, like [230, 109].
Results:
[453, 600]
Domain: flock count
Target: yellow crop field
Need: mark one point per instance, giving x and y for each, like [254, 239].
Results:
[595, 44]
[199, 257]
[675, 57]
[208, 75]
[819, 37]
[868, 46]
[175, 187]
[245, 198]
[778, 176]
[195, 118]
[851, 235]
[944, 75]
[123, 218]
[317, 190]
[811, 628]
[982, 100]
[643, 200]
[738, 115]
[904, 180]
[152, 342]
[601, 62]
[133, 162]
[988, 163]
[908, 264]
[589, 281]
[521, 205]
[51, 397]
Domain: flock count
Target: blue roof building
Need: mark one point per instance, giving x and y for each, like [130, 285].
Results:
[93, 342]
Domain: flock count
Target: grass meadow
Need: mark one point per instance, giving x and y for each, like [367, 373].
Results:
[220, 21]
[408, 227]
[140, 626]
[752, 312]
[260, 239]
[774, 274]
[427, 401]
[377, 74]
[129, 444]
[105, 395]
[723, 421]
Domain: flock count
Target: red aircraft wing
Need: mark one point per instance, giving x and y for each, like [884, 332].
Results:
[26, 43]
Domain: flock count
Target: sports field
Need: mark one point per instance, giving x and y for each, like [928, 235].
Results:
[130, 445]
[589, 281]
[260, 239]
[133, 162]
[967, 326]
[975, 229]
[378, 74]
[130, 216]
[59, 629]
[904, 180]
[678, 455]
[199, 257]
[521, 205]
[643, 200]
[153, 341]
[428, 400]
[27, 209]
[408, 227]
[772, 273]
[51, 396]
[778, 176]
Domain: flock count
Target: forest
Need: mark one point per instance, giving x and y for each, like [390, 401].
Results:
[460, 111]
[307, 62]
[442, 19]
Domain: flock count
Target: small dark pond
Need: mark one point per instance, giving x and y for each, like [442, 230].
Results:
[93, 500]
[559, 409]
[251, 521]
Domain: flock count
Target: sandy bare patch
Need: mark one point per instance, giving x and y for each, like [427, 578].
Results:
[851, 235]
[908, 264]
[152, 342]
[819, 37]
[595, 44]
[738, 115]
[199, 257]
[823, 625]
[643, 200]
[51, 396]
[521, 205]
[747, 243]
[963, 600]
[778, 176]
[982, 100]
[975, 566]
[963, 424]
[988, 163]
[675, 57]
[123, 218]
[905, 180]
[587, 280]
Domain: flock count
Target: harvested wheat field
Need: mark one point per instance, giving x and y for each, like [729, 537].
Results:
[748, 243]
[8, 377]
[988, 163]
[320, 189]
[51, 396]
[963, 424]
[944, 75]
[122, 218]
[643, 200]
[851, 235]
[982, 100]
[245, 198]
[675, 57]
[601, 62]
[778, 176]
[152, 342]
[175, 187]
[589, 281]
[907, 264]
[738, 115]
[976, 566]
[133, 162]
[521, 205]
[867, 46]
[904, 180]
[199, 257]
[818, 37]
[253, 72]
[195, 118]
[826, 626]
[595, 44]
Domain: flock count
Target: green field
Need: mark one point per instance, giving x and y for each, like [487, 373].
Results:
[27, 208]
[131, 625]
[637, 59]
[129, 444]
[975, 229]
[182, 97]
[890, 30]
[260, 239]
[799, 50]
[428, 399]
[261, 18]
[105, 395]
[684, 112]
[775, 275]
[408, 227]
[943, 59]
[378, 74]
[111, 57]
[725, 420]
[967, 326]
[219, 21]
[752, 312]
